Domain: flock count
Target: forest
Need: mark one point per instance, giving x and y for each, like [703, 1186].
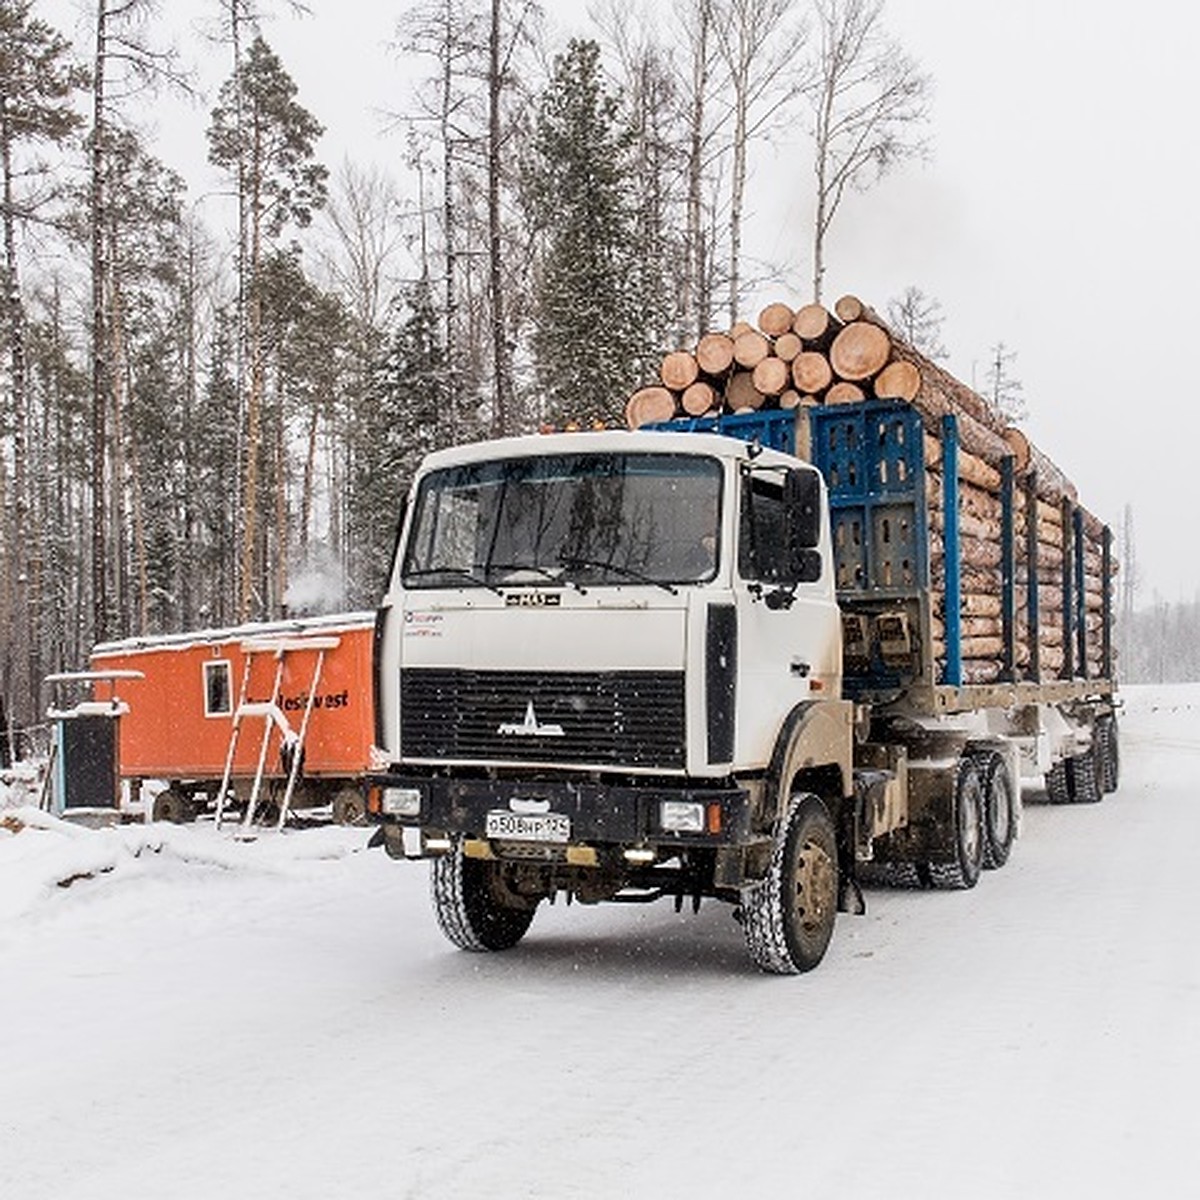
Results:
[210, 412]
[212, 403]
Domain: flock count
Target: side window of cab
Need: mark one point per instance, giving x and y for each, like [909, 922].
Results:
[762, 539]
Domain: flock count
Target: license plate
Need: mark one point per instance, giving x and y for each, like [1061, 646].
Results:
[528, 827]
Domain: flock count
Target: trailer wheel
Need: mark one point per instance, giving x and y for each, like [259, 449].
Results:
[788, 917]
[1107, 744]
[1083, 777]
[174, 806]
[1057, 789]
[348, 807]
[473, 907]
[963, 870]
[999, 809]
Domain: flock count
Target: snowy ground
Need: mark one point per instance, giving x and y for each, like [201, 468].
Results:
[199, 1018]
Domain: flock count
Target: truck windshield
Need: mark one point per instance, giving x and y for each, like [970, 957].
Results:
[571, 519]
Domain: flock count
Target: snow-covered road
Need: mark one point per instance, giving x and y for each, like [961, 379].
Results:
[209, 1019]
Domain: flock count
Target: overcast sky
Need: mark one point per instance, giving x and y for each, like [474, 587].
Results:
[1055, 214]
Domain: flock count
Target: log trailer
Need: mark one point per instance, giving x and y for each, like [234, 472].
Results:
[687, 663]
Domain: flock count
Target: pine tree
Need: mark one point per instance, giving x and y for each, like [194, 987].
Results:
[265, 140]
[587, 339]
[401, 423]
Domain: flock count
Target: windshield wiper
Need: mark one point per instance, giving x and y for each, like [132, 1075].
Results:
[555, 577]
[616, 568]
[455, 572]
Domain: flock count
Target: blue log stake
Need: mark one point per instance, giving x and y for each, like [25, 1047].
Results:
[1080, 596]
[1106, 644]
[1068, 590]
[1031, 577]
[952, 550]
[1008, 569]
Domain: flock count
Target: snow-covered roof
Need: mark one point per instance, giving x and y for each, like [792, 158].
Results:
[295, 627]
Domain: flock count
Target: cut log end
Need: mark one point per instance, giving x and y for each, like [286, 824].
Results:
[775, 319]
[811, 371]
[698, 398]
[849, 308]
[679, 370]
[714, 353]
[812, 322]
[860, 351]
[844, 392]
[649, 405]
[899, 380]
[750, 348]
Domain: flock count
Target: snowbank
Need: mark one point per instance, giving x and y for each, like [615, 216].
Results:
[40, 855]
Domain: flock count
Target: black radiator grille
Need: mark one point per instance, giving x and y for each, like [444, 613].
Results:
[620, 718]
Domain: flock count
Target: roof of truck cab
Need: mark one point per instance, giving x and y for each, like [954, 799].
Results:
[608, 441]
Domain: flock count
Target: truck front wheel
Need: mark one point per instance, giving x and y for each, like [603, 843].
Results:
[473, 907]
[788, 917]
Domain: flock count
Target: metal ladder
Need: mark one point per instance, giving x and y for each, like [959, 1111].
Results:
[273, 718]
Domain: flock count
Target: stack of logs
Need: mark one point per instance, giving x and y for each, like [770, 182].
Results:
[797, 359]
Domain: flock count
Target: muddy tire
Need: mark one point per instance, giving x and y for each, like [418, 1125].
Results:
[788, 917]
[999, 809]
[174, 806]
[963, 870]
[472, 907]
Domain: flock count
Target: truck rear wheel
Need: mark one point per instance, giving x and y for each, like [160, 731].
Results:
[473, 908]
[1057, 788]
[999, 809]
[962, 871]
[1107, 746]
[788, 917]
[1083, 777]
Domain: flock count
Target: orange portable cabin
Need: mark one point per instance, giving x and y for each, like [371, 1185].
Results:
[221, 714]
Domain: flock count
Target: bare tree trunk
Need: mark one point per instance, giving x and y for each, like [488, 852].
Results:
[501, 415]
[254, 400]
[695, 309]
[449, 218]
[186, 578]
[100, 368]
[119, 378]
[281, 524]
[23, 698]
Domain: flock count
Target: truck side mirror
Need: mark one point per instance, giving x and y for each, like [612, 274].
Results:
[802, 502]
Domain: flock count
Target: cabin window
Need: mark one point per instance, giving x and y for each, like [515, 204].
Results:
[218, 699]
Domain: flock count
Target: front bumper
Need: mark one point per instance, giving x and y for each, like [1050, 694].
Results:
[600, 813]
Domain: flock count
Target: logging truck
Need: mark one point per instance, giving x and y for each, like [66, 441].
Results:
[690, 662]
[630, 665]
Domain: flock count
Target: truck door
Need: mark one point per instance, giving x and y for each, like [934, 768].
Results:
[789, 639]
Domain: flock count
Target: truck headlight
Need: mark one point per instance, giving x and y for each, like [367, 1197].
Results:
[401, 802]
[681, 816]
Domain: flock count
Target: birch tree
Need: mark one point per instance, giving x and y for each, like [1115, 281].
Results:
[763, 55]
[869, 104]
